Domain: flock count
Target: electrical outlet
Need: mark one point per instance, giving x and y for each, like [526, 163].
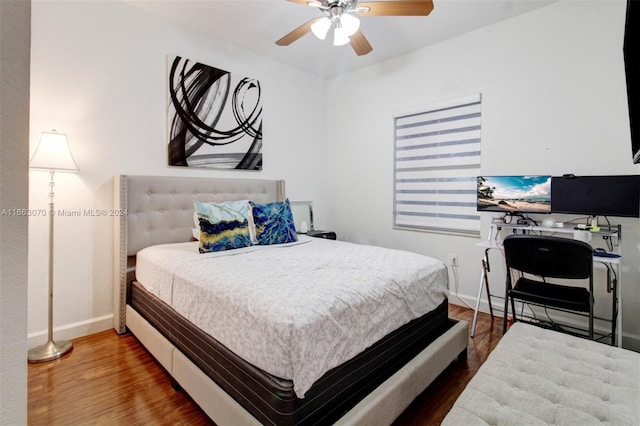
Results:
[453, 259]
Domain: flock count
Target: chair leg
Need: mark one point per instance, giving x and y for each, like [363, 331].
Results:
[591, 303]
[505, 315]
[506, 304]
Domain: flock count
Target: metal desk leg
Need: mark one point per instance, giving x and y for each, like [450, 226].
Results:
[612, 287]
[484, 282]
[614, 309]
[485, 268]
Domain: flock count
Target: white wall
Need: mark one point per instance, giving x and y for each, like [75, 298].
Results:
[99, 75]
[14, 181]
[554, 102]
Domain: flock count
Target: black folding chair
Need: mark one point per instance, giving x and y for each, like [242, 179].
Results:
[534, 259]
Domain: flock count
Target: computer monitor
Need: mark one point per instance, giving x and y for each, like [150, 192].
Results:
[631, 58]
[596, 195]
[514, 194]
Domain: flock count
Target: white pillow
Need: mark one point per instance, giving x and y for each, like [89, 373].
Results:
[252, 226]
[195, 232]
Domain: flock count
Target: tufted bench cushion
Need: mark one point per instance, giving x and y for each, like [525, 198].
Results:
[536, 377]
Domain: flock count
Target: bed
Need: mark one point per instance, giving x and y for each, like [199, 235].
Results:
[296, 338]
[537, 376]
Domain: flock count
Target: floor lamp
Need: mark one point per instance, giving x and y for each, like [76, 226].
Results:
[51, 154]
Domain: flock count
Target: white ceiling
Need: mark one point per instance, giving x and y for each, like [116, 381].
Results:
[256, 24]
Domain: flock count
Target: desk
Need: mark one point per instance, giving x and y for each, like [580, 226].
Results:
[612, 233]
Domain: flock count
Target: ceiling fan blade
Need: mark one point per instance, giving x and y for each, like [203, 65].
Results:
[396, 8]
[297, 33]
[306, 2]
[360, 43]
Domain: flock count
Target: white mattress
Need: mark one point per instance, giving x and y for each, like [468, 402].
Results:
[541, 377]
[295, 310]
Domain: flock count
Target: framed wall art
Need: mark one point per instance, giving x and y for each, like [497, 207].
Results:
[214, 117]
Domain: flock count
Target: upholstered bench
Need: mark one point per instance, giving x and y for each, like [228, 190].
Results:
[537, 376]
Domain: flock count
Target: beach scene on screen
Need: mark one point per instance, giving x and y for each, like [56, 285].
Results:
[514, 194]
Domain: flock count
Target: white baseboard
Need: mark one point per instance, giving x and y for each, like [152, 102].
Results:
[631, 342]
[470, 302]
[71, 331]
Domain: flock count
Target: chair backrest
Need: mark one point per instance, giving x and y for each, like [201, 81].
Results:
[548, 256]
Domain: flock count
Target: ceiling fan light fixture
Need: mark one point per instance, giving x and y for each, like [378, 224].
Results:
[342, 17]
[320, 28]
[350, 23]
[340, 36]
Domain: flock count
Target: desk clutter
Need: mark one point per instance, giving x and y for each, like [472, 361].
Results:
[609, 256]
[515, 197]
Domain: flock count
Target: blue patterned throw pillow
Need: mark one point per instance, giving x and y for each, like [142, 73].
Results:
[223, 226]
[274, 223]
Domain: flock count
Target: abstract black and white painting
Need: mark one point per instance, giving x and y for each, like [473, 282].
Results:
[214, 117]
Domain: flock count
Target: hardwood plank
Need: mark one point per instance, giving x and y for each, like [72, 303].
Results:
[107, 379]
[111, 379]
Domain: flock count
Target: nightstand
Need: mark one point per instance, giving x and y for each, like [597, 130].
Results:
[327, 235]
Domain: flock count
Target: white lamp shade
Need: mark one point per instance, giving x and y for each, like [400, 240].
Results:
[53, 153]
[340, 37]
[320, 28]
[350, 23]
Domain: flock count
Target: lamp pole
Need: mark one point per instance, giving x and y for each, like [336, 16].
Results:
[50, 350]
[51, 154]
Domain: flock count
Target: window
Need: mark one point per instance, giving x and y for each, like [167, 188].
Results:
[437, 161]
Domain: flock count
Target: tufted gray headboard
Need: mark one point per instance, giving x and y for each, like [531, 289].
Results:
[159, 210]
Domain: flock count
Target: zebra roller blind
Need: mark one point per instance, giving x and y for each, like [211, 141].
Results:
[437, 161]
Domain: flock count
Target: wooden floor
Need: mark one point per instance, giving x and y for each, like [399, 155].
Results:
[110, 379]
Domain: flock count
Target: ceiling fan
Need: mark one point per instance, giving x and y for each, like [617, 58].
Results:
[338, 14]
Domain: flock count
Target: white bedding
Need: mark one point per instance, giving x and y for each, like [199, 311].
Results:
[295, 310]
